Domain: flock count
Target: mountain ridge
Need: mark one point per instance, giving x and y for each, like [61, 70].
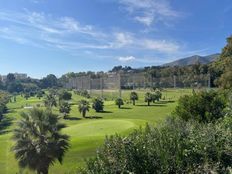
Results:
[193, 60]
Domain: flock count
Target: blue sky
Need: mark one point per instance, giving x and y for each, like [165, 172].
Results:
[39, 37]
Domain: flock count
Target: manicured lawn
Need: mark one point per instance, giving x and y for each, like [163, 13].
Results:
[88, 134]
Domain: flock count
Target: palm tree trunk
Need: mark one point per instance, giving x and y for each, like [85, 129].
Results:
[133, 102]
[42, 171]
[83, 114]
[148, 103]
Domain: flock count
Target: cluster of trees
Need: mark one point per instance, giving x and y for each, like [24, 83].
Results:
[83, 93]
[59, 98]
[153, 97]
[149, 97]
[4, 99]
[29, 87]
[223, 66]
[191, 141]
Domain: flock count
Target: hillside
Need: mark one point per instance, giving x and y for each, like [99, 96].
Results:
[193, 60]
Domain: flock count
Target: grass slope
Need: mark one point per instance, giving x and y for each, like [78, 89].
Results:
[87, 134]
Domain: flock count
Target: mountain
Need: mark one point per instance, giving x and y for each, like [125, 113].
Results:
[193, 60]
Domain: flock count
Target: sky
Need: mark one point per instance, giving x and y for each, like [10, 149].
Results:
[41, 37]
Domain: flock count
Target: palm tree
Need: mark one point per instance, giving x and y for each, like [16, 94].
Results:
[83, 107]
[50, 100]
[119, 102]
[133, 97]
[39, 142]
[65, 108]
[158, 95]
[148, 98]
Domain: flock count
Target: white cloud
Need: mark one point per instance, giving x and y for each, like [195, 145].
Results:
[126, 59]
[148, 12]
[161, 45]
[66, 33]
[147, 20]
[122, 39]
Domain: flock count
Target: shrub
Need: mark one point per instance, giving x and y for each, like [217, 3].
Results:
[65, 95]
[175, 147]
[203, 107]
[98, 104]
[83, 93]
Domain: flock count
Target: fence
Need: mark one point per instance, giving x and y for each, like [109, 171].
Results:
[118, 81]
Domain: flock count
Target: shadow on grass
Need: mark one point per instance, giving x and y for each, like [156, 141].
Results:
[153, 105]
[125, 108]
[165, 102]
[72, 118]
[105, 112]
[4, 124]
[93, 117]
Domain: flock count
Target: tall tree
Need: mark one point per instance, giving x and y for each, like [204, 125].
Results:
[148, 98]
[83, 107]
[50, 100]
[225, 65]
[39, 141]
[10, 78]
[65, 108]
[119, 102]
[133, 97]
[49, 82]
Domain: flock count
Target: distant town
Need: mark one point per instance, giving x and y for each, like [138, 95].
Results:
[18, 76]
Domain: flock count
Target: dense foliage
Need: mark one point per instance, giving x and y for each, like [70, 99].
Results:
[83, 93]
[64, 95]
[175, 147]
[225, 65]
[50, 100]
[4, 99]
[203, 106]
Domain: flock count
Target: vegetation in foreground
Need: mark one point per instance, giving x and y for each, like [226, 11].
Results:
[196, 140]
[175, 147]
[86, 134]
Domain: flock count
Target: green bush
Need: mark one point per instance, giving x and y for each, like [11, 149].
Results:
[83, 93]
[203, 106]
[65, 95]
[175, 147]
[98, 104]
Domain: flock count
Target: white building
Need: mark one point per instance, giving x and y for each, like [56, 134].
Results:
[18, 76]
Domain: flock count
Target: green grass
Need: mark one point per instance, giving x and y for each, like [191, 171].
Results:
[88, 134]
